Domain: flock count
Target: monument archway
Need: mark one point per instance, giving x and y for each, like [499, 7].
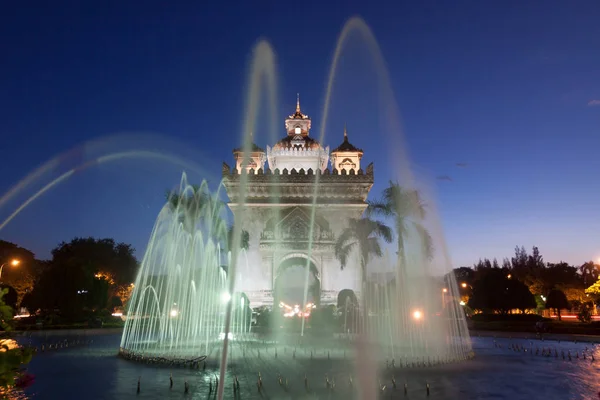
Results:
[289, 282]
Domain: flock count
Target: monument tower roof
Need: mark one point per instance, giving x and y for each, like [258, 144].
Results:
[346, 146]
[254, 148]
[298, 114]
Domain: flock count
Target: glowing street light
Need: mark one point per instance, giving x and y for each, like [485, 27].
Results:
[225, 297]
[14, 262]
[464, 284]
[509, 276]
[444, 291]
[417, 315]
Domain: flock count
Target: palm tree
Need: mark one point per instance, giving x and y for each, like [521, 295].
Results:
[364, 234]
[244, 238]
[198, 204]
[589, 272]
[407, 209]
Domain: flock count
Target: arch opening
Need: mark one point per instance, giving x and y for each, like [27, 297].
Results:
[290, 279]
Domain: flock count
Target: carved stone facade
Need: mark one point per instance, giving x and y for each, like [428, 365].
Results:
[286, 221]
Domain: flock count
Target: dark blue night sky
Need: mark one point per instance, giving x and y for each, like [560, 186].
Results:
[510, 88]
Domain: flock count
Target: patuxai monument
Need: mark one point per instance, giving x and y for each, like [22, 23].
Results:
[278, 211]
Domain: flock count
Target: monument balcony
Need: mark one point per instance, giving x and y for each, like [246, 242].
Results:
[273, 236]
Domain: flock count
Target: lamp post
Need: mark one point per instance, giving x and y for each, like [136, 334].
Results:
[467, 291]
[444, 291]
[14, 262]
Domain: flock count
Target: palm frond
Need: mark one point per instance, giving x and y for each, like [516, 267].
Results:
[383, 231]
[378, 208]
[374, 247]
[343, 252]
[425, 239]
[344, 244]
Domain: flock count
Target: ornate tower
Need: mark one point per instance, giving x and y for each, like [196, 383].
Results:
[346, 157]
[298, 150]
[254, 161]
[278, 212]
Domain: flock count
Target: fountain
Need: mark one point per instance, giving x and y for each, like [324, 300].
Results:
[177, 308]
[185, 307]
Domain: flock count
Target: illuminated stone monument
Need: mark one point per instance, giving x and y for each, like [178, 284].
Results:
[279, 210]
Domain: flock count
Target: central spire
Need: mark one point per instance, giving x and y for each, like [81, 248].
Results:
[294, 120]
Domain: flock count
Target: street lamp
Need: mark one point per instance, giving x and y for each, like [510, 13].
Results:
[444, 291]
[464, 285]
[14, 262]
[417, 315]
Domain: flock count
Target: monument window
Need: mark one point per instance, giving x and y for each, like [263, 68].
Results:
[347, 164]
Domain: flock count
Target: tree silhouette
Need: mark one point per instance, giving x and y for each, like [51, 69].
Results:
[494, 291]
[407, 209]
[82, 275]
[557, 300]
[363, 234]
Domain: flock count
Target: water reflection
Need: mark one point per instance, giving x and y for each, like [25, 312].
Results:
[498, 371]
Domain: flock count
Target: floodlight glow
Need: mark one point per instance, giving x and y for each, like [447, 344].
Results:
[222, 336]
[417, 315]
[225, 297]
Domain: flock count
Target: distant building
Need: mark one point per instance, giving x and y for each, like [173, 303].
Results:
[278, 212]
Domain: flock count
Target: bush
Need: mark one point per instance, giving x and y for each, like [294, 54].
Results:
[585, 314]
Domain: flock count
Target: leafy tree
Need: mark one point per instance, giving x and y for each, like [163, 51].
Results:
[486, 263]
[22, 276]
[519, 264]
[113, 261]
[529, 268]
[519, 296]
[364, 235]
[123, 292]
[593, 292]
[493, 291]
[115, 302]
[12, 356]
[80, 276]
[6, 313]
[461, 274]
[557, 300]
[10, 296]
